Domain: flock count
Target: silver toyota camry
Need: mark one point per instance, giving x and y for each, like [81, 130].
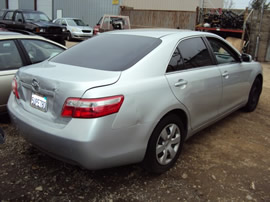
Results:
[132, 96]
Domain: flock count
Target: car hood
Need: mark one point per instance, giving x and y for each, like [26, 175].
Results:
[45, 24]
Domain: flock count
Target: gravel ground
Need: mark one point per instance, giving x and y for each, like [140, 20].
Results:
[229, 161]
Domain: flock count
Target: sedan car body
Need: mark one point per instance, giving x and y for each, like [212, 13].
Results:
[76, 27]
[17, 50]
[132, 96]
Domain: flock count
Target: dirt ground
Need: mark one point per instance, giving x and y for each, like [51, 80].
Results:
[229, 161]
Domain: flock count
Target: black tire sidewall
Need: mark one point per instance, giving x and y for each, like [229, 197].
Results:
[150, 162]
[251, 106]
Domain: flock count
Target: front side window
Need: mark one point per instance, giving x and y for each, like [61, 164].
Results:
[223, 53]
[9, 55]
[9, 15]
[194, 53]
[40, 50]
[18, 17]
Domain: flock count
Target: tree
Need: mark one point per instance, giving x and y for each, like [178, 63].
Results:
[257, 4]
[228, 4]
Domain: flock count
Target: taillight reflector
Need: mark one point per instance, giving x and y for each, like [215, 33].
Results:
[15, 88]
[92, 108]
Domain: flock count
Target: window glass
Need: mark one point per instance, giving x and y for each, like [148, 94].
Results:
[40, 50]
[1, 13]
[19, 17]
[57, 21]
[9, 55]
[35, 17]
[176, 62]
[75, 22]
[194, 53]
[9, 15]
[111, 52]
[222, 51]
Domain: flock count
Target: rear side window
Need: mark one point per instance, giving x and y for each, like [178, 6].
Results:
[9, 56]
[194, 53]
[111, 52]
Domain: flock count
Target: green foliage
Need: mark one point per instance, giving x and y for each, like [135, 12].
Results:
[257, 4]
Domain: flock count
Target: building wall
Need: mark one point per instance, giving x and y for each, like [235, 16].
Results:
[2, 4]
[179, 5]
[88, 10]
[160, 18]
[26, 4]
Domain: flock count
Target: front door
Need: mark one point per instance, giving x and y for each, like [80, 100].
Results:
[234, 75]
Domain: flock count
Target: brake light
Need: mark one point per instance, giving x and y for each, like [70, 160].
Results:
[92, 108]
[15, 88]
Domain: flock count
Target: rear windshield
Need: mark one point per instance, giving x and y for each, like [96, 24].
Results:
[111, 52]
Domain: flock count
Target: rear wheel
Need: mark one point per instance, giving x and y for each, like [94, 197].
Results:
[254, 96]
[165, 145]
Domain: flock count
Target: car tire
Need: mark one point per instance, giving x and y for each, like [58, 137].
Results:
[165, 145]
[69, 37]
[62, 41]
[254, 96]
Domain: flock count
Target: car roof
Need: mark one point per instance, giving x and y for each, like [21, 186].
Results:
[5, 35]
[159, 33]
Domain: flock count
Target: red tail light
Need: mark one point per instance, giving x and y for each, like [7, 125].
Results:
[92, 108]
[15, 88]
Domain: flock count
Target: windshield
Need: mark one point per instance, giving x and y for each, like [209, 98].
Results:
[36, 17]
[110, 52]
[75, 22]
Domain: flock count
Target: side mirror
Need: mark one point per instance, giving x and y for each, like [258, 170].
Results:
[20, 20]
[246, 57]
[2, 136]
[64, 24]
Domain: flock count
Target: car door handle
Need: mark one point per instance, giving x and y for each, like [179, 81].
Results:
[180, 82]
[225, 75]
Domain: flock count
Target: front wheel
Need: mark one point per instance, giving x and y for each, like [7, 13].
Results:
[254, 96]
[165, 145]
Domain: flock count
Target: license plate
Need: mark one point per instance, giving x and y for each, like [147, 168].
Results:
[39, 102]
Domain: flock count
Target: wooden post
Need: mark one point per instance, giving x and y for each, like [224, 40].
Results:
[244, 29]
[7, 6]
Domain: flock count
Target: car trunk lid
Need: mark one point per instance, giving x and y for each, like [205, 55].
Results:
[53, 83]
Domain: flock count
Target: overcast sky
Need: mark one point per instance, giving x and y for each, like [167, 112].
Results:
[242, 3]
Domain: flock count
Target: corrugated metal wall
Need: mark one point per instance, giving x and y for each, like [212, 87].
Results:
[26, 4]
[2, 4]
[88, 10]
[174, 5]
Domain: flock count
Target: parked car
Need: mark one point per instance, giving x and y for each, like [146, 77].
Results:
[133, 96]
[111, 22]
[17, 50]
[36, 22]
[77, 29]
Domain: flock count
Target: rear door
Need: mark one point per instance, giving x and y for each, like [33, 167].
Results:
[10, 61]
[195, 81]
[235, 75]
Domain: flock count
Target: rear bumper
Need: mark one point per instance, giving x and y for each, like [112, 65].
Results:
[90, 143]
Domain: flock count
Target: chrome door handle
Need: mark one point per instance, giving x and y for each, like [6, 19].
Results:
[225, 75]
[180, 82]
